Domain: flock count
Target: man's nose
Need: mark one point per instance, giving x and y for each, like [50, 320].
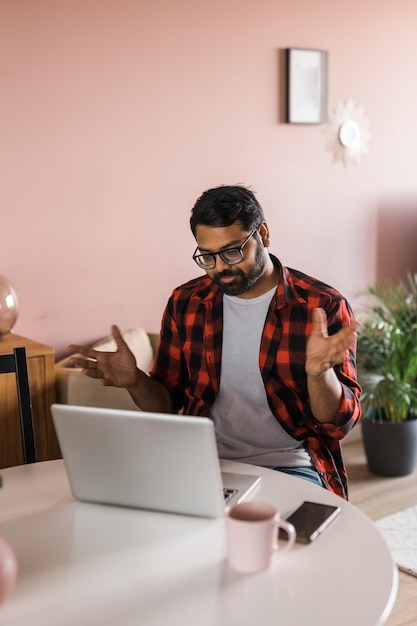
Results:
[220, 264]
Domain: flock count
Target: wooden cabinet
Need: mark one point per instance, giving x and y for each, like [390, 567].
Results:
[41, 370]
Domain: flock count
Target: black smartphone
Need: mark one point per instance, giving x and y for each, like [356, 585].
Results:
[310, 520]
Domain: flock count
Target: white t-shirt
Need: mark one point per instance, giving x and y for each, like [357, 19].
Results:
[246, 429]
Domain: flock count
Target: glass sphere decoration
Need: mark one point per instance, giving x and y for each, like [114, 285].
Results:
[9, 306]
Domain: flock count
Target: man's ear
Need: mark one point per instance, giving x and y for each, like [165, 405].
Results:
[263, 231]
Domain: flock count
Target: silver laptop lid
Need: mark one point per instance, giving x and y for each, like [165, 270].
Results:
[145, 460]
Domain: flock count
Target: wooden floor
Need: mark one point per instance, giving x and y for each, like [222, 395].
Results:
[377, 496]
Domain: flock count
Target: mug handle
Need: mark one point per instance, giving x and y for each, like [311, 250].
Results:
[291, 533]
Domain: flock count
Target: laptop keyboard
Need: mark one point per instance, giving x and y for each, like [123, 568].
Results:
[228, 493]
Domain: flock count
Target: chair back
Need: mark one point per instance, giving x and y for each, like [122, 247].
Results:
[17, 363]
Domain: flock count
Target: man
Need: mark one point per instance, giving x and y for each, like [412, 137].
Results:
[267, 352]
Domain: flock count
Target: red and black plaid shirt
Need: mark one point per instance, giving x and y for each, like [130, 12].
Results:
[189, 357]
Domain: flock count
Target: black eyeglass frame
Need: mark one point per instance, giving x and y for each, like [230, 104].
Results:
[221, 254]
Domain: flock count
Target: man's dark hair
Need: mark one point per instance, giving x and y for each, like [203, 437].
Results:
[225, 205]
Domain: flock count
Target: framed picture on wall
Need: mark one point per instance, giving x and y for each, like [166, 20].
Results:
[306, 86]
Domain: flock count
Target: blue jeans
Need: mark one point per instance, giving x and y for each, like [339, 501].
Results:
[308, 473]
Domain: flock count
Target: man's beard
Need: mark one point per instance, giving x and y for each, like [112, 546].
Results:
[243, 281]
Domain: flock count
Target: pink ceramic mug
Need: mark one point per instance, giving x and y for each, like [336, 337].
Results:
[252, 535]
[8, 570]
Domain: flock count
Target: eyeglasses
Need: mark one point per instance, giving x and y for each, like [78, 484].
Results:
[231, 256]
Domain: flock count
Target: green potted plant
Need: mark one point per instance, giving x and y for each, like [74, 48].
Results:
[387, 372]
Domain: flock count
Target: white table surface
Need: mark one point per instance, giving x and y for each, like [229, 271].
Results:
[93, 565]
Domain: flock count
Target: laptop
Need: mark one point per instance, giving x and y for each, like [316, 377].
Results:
[153, 461]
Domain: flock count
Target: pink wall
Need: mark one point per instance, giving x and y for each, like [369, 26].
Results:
[116, 114]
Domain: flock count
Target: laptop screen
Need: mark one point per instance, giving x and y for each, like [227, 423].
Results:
[153, 461]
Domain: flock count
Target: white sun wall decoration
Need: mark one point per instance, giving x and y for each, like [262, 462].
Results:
[347, 135]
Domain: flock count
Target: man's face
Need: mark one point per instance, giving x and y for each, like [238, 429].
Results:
[233, 280]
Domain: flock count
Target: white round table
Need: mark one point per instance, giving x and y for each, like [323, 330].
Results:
[92, 565]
